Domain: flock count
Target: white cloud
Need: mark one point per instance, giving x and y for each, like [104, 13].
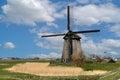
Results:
[54, 43]
[52, 55]
[89, 47]
[29, 11]
[111, 46]
[9, 45]
[83, 1]
[52, 24]
[93, 1]
[39, 31]
[111, 43]
[116, 29]
[32, 11]
[94, 14]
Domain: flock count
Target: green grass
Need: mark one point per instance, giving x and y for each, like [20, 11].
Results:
[115, 67]
[91, 65]
[112, 75]
[101, 66]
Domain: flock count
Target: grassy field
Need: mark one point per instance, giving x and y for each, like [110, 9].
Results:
[113, 75]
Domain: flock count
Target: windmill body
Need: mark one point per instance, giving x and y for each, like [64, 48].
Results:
[68, 55]
[72, 50]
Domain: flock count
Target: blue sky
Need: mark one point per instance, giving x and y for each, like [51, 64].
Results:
[22, 22]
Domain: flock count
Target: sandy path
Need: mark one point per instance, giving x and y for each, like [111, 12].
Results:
[43, 69]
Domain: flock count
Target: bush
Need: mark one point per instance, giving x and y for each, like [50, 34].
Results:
[89, 61]
[98, 59]
[78, 59]
[79, 62]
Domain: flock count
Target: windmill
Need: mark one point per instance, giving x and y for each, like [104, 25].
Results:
[71, 49]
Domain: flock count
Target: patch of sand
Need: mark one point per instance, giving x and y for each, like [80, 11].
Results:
[43, 69]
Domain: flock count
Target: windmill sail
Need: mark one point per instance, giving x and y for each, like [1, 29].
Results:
[68, 18]
[62, 34]
[87, 31]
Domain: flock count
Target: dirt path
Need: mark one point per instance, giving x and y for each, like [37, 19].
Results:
[43, 69]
